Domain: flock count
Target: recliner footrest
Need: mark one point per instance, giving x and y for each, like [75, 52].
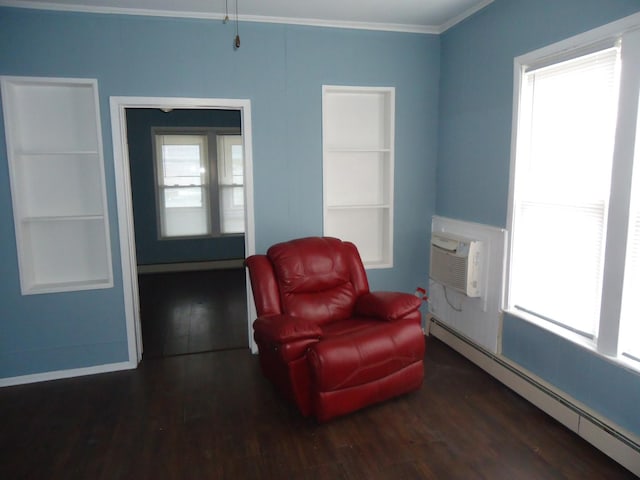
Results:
[366, 355]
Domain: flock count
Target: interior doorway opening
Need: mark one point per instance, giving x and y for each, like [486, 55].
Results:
[122, 162]
[187, 185]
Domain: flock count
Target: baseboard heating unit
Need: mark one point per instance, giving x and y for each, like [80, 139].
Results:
[621, 446]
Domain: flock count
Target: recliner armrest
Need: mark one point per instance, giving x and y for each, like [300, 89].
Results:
[284, 328]
[387, 306]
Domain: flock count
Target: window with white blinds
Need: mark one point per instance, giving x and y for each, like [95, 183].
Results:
[566, 140]
[182, 185]
[574, 223]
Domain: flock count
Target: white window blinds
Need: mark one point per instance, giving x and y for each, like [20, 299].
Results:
[567, 120]
[231, 183]
[182, 185]
[630, 317]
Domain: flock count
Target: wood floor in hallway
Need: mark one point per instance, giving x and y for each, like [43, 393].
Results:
[192, 312]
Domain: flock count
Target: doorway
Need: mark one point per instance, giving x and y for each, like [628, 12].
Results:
[187, 186]
[119, 105]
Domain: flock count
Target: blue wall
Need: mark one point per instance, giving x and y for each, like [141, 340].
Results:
[598, 383]
[281, 70]
[476, 95]
[149, 249]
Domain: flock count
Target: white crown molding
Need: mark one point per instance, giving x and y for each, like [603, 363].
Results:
[455, 20]
[388, 27]
[313, 22]
[64, 7]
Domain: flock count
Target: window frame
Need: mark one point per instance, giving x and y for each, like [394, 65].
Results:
[627, 30]
[212, 188]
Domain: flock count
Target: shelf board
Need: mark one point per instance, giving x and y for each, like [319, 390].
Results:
[54, 153]
[378, 263]
[357, 150]
[380, 206]
[61, 218]
[68, 286]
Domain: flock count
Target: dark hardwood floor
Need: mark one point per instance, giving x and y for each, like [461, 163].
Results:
[191, 312]
[213, 416]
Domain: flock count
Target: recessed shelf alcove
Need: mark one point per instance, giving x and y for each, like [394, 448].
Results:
[56, 168]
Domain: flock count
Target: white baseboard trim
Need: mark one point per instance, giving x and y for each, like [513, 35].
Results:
[60, 374]
[620, 445]
[191, 266]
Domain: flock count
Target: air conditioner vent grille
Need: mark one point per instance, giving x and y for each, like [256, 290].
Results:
[449, 269]
[455, 263]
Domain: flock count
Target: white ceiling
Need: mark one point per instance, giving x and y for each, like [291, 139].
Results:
[425, 16]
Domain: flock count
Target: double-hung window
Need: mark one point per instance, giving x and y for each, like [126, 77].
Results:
[200, 183]
[183, 185]
[231, 183]
[574, 223]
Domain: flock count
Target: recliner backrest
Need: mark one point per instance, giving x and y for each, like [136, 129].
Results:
[319, 278]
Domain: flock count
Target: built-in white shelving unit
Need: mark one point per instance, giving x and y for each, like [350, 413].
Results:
[56, 168]
[358, 156]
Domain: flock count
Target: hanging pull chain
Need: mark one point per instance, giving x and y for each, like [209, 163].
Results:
[236, 42]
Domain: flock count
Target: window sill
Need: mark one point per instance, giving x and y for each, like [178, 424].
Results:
[202, 237]
[619, 361]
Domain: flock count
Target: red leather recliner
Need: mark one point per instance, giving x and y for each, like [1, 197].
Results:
[329, 344]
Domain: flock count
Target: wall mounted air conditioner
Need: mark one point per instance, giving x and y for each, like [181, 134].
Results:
[455, 263]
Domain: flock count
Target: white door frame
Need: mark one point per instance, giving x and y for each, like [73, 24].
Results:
[125, 205]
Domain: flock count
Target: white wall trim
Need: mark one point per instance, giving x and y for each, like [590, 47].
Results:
[619, 444]
[125, 208]
[312, 22]
[60, 374]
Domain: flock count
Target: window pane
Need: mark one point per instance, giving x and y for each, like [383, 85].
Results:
[231, 209]
[238, 197]
[185, 212]
[630, 321]
[237, 164]
[549, 268]
[566, 137]
[183, 197]
[183, 202]
[182, 165]
[630, 317]
[231, 180]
